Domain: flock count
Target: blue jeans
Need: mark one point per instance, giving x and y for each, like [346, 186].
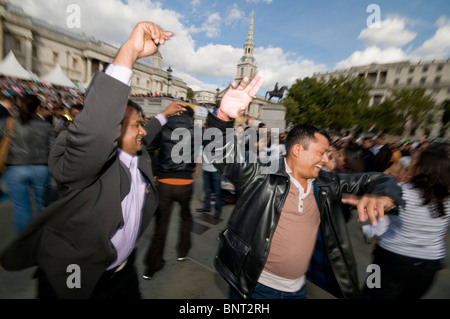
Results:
[211, 182]
[19, 181]
[264, 292]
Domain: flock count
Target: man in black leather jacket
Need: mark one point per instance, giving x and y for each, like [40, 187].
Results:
[289, 221]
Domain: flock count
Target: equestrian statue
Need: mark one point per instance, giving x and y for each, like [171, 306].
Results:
[279, 93]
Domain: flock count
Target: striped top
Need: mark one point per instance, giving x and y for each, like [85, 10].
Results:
[414, 233]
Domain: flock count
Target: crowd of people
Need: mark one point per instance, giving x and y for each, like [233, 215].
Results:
[287, 226]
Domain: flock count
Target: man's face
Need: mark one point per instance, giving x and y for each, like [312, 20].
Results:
[132, 132]
[309, 162]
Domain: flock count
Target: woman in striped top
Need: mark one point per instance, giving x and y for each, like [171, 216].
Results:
[410, 252]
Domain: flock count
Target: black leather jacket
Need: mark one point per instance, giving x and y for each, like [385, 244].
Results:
[177, 136]
[245, 243]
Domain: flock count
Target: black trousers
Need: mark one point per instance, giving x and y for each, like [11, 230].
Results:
[168, 194]
[122, 284]
[402, 277]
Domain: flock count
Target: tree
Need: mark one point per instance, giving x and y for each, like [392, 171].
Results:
[190, 95]
[404, 111]
[339, 104]
[446, 116]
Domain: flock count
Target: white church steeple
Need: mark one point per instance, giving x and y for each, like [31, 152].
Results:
[247, 63]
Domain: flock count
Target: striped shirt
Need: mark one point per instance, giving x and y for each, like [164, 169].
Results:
[414, 232]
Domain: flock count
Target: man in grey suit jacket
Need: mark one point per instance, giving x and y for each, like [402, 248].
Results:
[108, 194]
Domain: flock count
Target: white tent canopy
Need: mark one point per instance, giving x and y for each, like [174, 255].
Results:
[11, 67]
[58, 77]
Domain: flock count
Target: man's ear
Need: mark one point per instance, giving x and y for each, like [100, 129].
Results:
[297, 150]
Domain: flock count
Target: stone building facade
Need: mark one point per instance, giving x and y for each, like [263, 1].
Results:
[39, 47]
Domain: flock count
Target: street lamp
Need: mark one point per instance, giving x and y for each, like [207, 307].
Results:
[169, 79]
[217, 97]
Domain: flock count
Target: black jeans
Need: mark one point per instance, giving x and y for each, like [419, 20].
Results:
[167, 195]
[402, 277]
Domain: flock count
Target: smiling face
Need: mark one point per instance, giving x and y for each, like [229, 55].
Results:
[307, 162]
[132, 132]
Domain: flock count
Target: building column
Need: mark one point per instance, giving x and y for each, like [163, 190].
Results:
[88, 69]
[28, 55]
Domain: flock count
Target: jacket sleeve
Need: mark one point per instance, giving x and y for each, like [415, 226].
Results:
[79, 156]
[153, 128]
[222, 150]
[378, 184]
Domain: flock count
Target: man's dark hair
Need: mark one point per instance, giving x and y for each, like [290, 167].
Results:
[78, 107]
[28, 105]
[189, 111]
[137, 107]
[303, 134]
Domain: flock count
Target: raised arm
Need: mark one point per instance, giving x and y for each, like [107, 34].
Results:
[79, 157]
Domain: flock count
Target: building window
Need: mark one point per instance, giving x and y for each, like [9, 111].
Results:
[409, 81]
[411, 69]
[425, 69]
[396, 82]
[74, 63]
[55, 57]
[377, 99]
[439, 67]
[17, 45]
[399, 70]
[383, 77]
[437, 80]
[372, 78]
[423, 80]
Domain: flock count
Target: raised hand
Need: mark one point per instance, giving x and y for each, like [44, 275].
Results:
[174, 108]
[236, 100]
[143, 42]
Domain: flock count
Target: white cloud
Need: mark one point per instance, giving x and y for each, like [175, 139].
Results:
[234, 14]
[211, 27]
[284, 68]
[437, 46]
[372, 54]
[392, 33]
[386, 44]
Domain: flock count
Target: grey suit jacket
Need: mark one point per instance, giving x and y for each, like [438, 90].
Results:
[76, 229]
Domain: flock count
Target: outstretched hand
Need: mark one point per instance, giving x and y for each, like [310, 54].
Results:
[369, 207]
[237, 99]
[143, 42]
[174, 108]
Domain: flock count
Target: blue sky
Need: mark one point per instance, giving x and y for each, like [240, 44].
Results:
[293, 38]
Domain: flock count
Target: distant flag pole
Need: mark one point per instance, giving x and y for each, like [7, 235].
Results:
[372, 127]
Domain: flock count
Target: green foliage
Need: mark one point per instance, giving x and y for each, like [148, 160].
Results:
[446, 116]
[337, 104]
[405, 109]
[190, 94]
[342, 104]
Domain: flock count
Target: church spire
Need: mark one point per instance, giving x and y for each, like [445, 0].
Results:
[247, 63]
[250, 32]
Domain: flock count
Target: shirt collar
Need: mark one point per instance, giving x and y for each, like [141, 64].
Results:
[302, 191]
[126, 158]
